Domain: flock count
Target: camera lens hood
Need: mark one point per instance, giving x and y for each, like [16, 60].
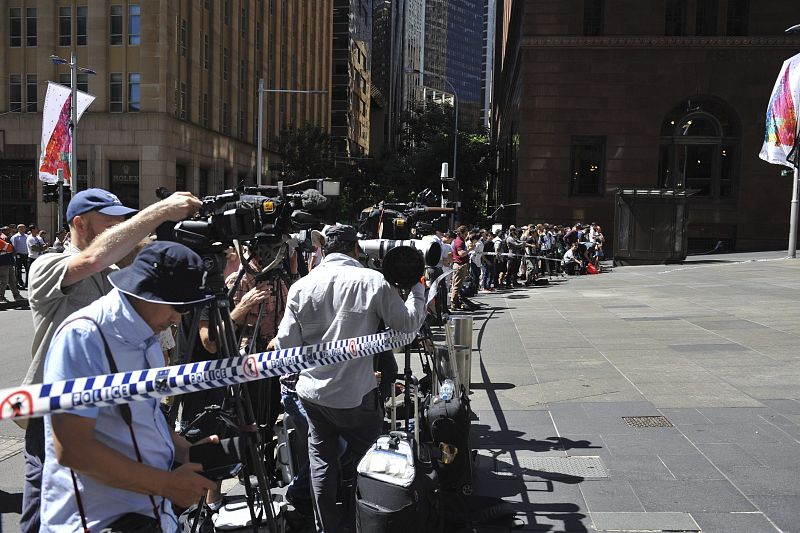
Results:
[403, 266]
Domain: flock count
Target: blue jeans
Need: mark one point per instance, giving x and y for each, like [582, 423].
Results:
[29, 521]
[486, 275]
[300, 487]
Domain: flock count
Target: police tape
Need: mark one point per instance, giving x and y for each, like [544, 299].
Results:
[508, 254]
[434, 288]
[125, 387]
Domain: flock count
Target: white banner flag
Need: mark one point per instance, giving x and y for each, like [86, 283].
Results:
[56, 136]
[781, 129]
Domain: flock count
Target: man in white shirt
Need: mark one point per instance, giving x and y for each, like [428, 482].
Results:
[35, 244]
[20, 242]
[341, 299]
[573, 264]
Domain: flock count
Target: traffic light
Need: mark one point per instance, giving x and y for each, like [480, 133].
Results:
[449, 187]
[49, 193]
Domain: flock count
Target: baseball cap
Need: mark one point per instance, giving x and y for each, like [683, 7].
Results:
[341, 233]
[164, 272]
[96, 200]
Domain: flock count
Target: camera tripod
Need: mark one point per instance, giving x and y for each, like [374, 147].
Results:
[236, 411]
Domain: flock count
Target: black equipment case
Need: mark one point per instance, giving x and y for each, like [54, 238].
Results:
[447, 428]
[398, 488]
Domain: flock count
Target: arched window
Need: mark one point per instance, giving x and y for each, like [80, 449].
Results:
[699, 150]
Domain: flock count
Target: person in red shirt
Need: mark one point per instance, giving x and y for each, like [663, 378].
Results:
[460, 266]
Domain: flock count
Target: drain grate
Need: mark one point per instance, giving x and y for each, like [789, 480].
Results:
[647, 422]
[10, 446]
[518, 465]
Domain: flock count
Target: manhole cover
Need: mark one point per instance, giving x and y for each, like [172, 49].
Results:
[647, 422]
[514, 465]
[10, 446]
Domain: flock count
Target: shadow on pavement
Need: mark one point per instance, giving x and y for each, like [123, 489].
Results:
[550, 516]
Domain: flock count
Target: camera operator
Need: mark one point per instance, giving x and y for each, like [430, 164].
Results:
[341, 299]
[60, 284]
[103, 470]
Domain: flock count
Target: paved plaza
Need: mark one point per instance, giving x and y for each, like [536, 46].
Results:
[701, 356]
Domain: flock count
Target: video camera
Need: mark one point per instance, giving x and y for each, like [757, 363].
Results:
[263, 217]
[386, 220]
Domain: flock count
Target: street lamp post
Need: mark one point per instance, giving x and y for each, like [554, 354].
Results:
[455, 108]
[795, 182]
[73, 115]
[260, 138]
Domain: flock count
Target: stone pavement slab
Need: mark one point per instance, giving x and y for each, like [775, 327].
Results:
[712, 347]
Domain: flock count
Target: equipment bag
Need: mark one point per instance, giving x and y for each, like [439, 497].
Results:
[447, 427]
[398, 488]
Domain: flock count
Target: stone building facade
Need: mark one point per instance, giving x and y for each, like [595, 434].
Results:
[176, 91]
[593, 95]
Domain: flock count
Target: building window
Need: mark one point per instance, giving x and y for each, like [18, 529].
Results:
[183, 101]
[204, 116]
[588, 166]
[134, 98]
[675, 17]
[64, 26]
[115, 93]
[243, 74]
[133, 24]
[15, 93]
[242, 124]
[226, 11]
[116, 25]
[30, 26]
[202, 187]
[738, 17]
[83, 81]
[83, 18]
[593, 17]
[125, 182]
[699, 149]
[245, 23]
[31, 94]
[184, 33]
[224, 63]
[15, 27]
[206, 50]
[706, 17]
[180, 178]
[226, 125]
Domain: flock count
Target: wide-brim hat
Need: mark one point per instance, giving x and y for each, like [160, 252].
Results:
[164, 273]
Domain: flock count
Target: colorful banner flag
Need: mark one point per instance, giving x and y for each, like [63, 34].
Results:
[780, 138]
[56, 136]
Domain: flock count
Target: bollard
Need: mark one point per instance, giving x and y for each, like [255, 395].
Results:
[462, 337]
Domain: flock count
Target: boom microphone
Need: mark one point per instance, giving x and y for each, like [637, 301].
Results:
[314, 200]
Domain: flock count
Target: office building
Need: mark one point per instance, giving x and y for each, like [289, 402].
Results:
[176, 91]
[594, 95]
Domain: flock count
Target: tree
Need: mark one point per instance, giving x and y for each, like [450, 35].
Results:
[426, 141]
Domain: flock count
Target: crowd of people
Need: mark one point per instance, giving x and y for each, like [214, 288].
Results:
[106, 303]
[18, 251]
[110, 298]
[506, 258]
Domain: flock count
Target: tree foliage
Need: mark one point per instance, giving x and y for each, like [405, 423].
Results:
[426, 141]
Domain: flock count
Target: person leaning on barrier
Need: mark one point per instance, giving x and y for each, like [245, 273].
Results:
[60, 284]
[101, 470]
[341, 299]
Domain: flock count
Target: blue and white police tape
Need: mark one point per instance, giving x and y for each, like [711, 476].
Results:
[125, 387]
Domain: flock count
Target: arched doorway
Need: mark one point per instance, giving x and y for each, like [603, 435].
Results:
[700, 148]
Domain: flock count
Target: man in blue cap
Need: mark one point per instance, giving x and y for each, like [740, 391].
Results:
[60, 284]
[101, 470]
